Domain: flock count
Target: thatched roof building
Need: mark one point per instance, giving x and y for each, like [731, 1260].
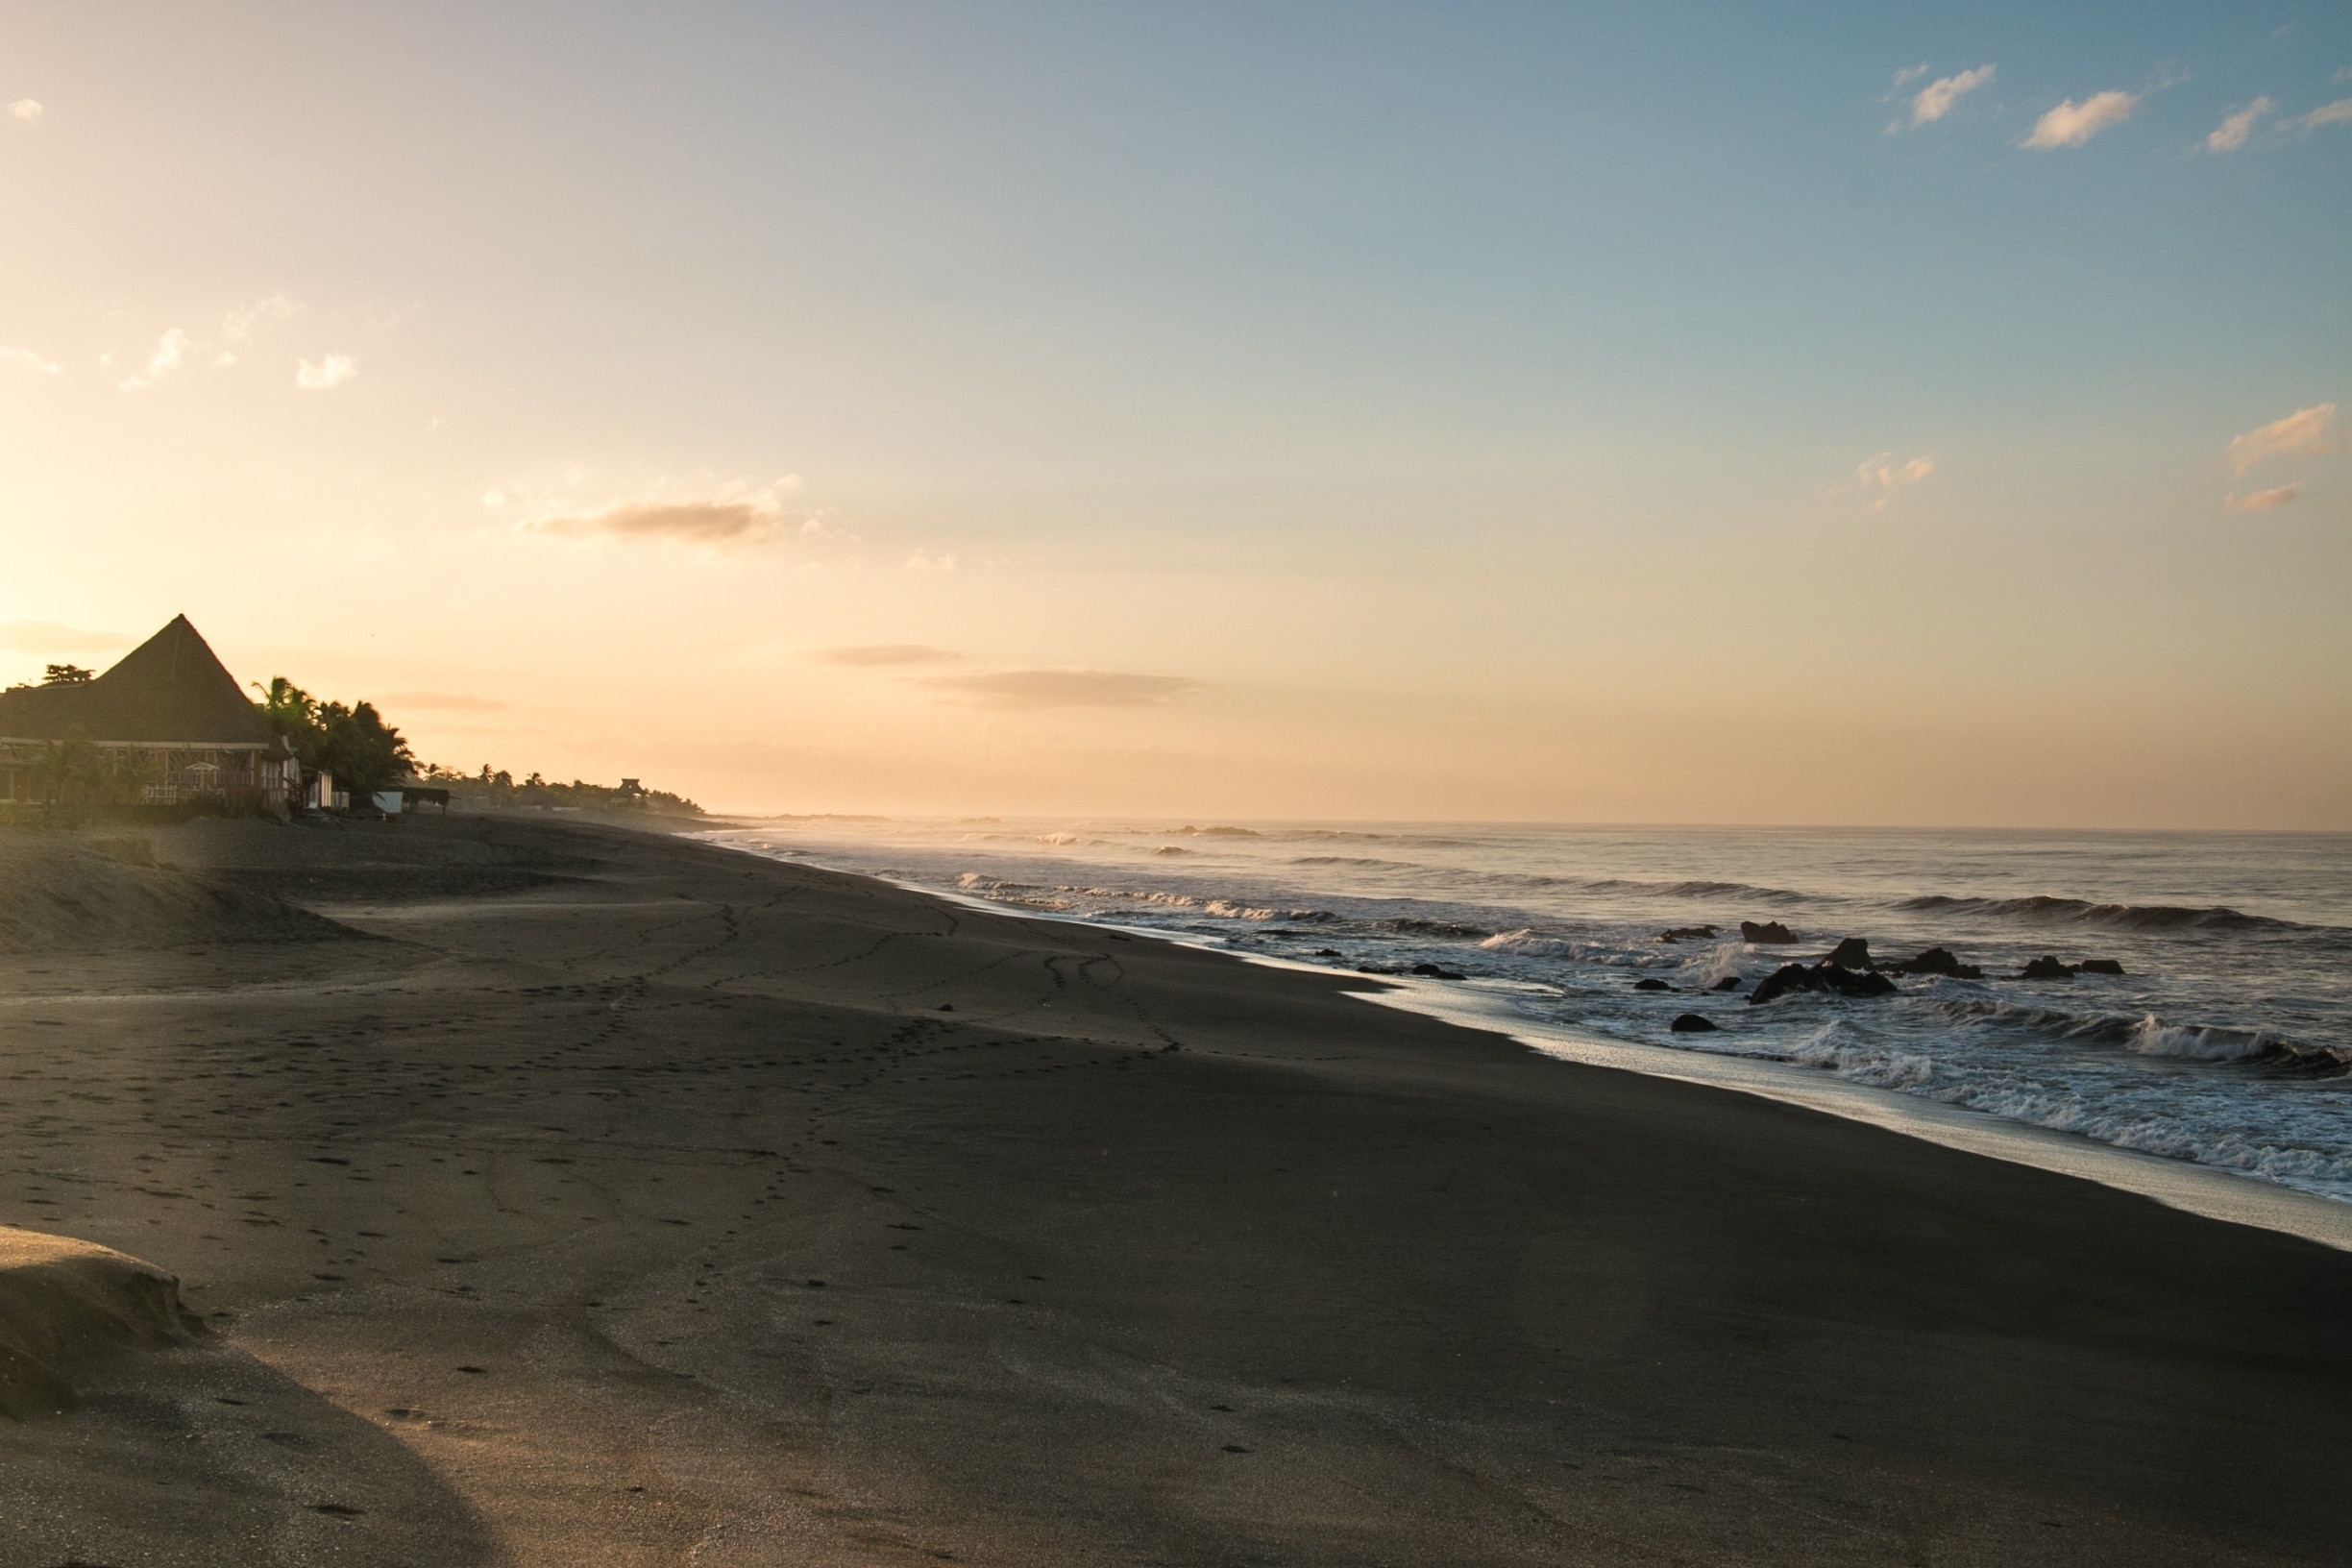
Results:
[168, 715]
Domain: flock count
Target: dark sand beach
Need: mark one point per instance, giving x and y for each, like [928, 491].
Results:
[580, 1195]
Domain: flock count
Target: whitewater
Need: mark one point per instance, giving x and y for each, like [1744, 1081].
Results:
[2226, 1040]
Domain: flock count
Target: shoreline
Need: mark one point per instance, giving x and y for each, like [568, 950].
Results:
[2206, 1190]
[2210, 1192]
[617, 1199]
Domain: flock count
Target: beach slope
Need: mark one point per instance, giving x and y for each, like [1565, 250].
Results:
[589, 1197]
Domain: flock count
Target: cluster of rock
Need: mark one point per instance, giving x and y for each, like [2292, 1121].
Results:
[1848, 971]
[1826, 975]
[2049, 967]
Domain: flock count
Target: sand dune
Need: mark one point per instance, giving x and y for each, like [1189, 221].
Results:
[79, 892]
[66, 1303]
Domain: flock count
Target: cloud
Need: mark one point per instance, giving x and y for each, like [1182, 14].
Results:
[1936, 99]
[449, 701]
[2303, 433]
[1886, 475]
[327, 375]
[921, 562]
[2236, 126]
[2262, 501]
[2334, 113]
[733, 514]
[28, 359]
[1909, 73]
[875, 656]
[2071, 124]
[1880, 471]
[239, 324]
[48, 637]
[169, 351]
[27, 109]
[1062, 689]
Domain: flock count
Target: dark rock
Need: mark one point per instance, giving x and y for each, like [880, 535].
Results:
[2047, 968]
[1854, 953]
[1938, 961]
[1686, 933]
[1436, 973]
[1328, 952]
[1781, 982]
[2098, 966]
[1691, 1023]
[1729, 982]
[1652, 985]
[1771, 933]
[1824, 976]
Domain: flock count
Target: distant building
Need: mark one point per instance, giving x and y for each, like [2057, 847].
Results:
[169, 710]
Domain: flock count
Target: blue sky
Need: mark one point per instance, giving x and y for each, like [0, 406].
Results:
[1577, 365]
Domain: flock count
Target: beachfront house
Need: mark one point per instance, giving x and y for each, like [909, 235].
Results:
[168, 717]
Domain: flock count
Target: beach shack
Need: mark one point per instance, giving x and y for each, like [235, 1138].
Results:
[168, 715]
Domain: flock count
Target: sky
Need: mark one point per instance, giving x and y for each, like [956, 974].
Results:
[1652, 413]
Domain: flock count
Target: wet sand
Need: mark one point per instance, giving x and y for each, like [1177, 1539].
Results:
[615, 1199]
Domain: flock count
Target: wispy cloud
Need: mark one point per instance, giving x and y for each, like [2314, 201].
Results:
[27, 109]
[240, 324]
[327, 375]
[28, 359]
[177, 349]
[169, 351]
[2335, 114]
[1935, 100]
[1908, 74]
[735, 513]
[2236, 126]
[2262, 501]
[1062, 689]
[2304, 433]
[882, 656]
[2071, 124]
[49, 637]
[1884, 475]
[447, 701]
[924, 561]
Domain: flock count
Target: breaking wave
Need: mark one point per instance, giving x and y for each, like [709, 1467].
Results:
[2149, 1036]
[2080, 911]
[1529, 944]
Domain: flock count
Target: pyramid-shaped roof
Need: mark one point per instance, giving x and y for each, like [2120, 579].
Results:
[172, 688]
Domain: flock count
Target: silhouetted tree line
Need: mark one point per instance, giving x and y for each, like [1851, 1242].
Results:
[366, 754]
[499, 790]
[354, 743]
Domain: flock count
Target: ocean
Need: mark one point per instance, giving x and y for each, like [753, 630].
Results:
[2226, 1040]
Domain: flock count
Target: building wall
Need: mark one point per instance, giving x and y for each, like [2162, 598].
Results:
[168, 775]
